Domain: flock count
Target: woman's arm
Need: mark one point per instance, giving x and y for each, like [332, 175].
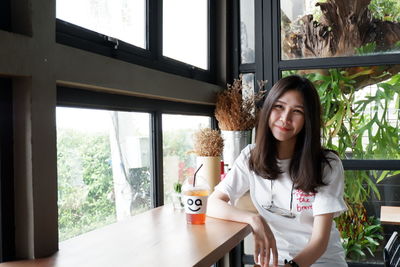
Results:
[318, 242]
[264, 239]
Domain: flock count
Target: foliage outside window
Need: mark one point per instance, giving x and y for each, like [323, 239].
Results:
[361, 120]
[103, 168]
[312, 28]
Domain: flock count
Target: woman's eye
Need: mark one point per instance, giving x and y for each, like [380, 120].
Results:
[298, 111]
[278, 106]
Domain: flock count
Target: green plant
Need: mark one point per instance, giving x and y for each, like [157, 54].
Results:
[177, 187]
[359, 233]
[85, 185]
[388, 10]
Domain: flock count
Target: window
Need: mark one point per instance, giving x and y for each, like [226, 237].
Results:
[122, 19]
[247, 28]
[185, 31]
[338, 32]
[361, 119]
[110, 154]
[178, 158]
[171, 36]
[103, 168]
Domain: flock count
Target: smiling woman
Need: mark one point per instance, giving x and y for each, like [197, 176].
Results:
[287, 116]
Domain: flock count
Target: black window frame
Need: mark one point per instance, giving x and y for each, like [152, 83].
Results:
[5, 15]
[151, 57]
[7, 221]
[81, 98]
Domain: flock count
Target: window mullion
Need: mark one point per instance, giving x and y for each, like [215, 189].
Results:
[157, 160]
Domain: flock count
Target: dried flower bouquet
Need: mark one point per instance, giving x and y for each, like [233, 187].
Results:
[208, 143]
[235, 112]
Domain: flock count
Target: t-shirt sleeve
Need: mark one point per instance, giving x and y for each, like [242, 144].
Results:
[329, 198]
[236, 182]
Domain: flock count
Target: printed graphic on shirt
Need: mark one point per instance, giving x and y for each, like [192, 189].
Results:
[304, 200]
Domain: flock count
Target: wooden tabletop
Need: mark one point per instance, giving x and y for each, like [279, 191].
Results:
[159, 237]
[390, 215]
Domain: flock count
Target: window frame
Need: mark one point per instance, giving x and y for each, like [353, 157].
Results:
[80, 98]
[269, 66]
[7, 214]
[5, 15]
[151, 57]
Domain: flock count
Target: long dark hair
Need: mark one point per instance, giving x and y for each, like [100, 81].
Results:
[307, 162]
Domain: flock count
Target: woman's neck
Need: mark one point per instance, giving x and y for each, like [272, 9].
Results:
[286, 149]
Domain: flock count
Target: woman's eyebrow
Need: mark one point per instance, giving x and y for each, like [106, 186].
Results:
[283, 102]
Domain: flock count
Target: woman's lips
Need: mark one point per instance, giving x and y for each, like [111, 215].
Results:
[283, 129]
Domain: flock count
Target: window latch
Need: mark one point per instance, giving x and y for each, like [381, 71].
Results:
[112, 40]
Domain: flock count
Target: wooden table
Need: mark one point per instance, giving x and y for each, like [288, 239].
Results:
[159, 237]
[390, 215]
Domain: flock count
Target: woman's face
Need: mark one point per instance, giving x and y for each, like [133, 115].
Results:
[287, 116]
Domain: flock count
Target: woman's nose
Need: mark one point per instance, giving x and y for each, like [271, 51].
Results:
[285, 116]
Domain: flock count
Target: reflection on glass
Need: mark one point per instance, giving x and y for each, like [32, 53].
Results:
[247, 31]
[185, 31]
[121, 19]
[178, 162]
[313, 28]
[103, 162]
[247, 85]
[361, 114]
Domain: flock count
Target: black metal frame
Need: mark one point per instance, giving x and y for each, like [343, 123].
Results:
[5, 15]
[7, 223]
[79, 37]
[72, 97]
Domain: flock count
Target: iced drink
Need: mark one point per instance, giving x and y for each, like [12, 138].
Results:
[195, 201]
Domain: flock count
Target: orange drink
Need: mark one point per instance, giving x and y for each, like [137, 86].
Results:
[195, 201]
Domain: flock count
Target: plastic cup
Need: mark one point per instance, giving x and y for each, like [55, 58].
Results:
[195, 200]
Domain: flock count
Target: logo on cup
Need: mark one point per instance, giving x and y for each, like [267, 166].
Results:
[195, 204]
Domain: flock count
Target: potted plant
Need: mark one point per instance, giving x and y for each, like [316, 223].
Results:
[236, 114]
[208, 146]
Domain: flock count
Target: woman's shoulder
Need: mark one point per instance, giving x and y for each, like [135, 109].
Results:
[332, 157]
[333, 165]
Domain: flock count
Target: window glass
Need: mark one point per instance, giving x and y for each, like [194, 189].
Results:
[122, 19]
[178, 161]
[103, 161]
[247, 31]
[313, 28]
[185, 31]
[248, 84]
[361, 114]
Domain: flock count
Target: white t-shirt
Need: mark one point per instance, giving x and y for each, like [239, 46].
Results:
[291, 234]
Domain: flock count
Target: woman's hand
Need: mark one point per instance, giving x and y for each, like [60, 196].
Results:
[264, 242]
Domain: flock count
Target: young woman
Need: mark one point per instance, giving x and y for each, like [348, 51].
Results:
[295, 185]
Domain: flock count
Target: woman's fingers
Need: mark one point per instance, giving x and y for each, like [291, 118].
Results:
[262, 259]
[274, 254]
[256, 252]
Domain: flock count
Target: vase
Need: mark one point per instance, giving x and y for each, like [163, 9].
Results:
[234, 142]
[177, 201]
[211, 170]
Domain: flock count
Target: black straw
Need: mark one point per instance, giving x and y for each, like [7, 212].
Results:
[194, 178]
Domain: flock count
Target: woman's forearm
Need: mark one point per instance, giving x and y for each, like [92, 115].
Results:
[311, 253]
[219, 207]
[318, 242]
